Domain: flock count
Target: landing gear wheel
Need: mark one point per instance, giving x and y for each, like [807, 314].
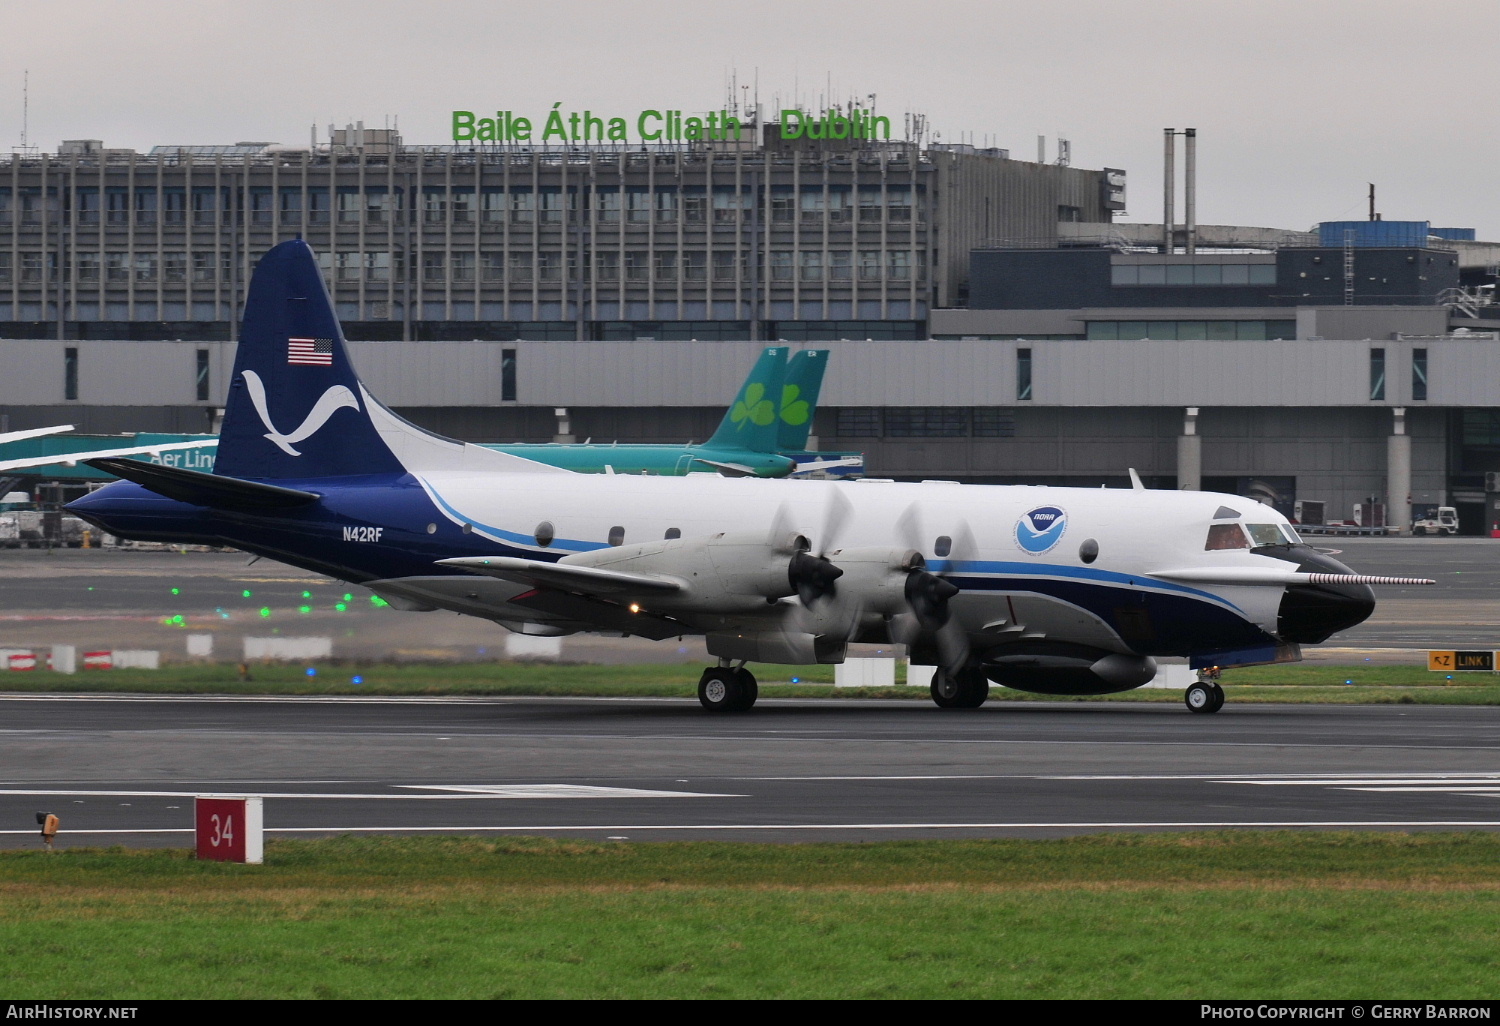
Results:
[966, 689]
[1203, 698]
[749, 689]
[723, 690]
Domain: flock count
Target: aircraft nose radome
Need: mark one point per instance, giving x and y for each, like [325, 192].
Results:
[1311, 613]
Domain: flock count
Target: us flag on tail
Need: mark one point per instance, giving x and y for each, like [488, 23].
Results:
[310, 352]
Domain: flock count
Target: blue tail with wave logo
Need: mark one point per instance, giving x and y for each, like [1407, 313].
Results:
[296, 408]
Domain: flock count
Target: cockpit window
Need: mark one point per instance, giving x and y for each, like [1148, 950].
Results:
[1226, 536]
[1225, 513]
[1291, 534]
[1266, 534]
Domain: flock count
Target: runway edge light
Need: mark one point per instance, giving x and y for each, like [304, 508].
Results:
[230, 828]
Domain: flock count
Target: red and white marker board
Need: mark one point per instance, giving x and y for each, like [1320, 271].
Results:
[230, 828]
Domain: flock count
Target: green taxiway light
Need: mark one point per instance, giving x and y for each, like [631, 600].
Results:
[265, 611]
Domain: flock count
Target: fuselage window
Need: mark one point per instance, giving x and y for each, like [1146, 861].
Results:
[1226, 536]
[1266, 534]
[673, 532]
[942, 546]
[617, 536]
[544, 534]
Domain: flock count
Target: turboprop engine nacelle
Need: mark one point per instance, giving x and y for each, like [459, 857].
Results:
[722, 573]
[872, 587]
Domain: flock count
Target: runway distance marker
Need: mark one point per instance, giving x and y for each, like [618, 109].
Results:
[230, 828]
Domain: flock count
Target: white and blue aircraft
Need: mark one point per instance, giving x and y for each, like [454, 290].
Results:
[1054, 590]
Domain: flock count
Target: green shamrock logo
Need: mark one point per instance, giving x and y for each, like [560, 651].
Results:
[754, 407]
[794, 411]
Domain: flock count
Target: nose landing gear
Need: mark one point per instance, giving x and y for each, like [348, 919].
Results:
[1204, 697]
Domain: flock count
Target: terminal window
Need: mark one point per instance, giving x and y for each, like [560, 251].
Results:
[926, 422]
[1193, 274]
[990, 422]
[1192, 330]
[858, 422]
[1377, 375]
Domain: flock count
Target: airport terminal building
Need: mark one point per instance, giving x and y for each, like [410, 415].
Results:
[736, 239]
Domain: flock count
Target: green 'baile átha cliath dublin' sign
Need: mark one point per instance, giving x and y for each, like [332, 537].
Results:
[560, 126]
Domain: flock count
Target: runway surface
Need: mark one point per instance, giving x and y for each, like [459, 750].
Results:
[125, 770]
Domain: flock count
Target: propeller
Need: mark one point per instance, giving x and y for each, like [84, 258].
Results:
[813, 575]
[928, 594]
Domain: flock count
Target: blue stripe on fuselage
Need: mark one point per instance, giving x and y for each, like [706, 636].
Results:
[528, 540]
[1034, 570]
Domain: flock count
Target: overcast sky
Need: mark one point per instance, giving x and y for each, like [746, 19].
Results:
[1298, 103]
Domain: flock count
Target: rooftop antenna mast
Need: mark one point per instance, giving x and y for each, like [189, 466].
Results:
[25, 147]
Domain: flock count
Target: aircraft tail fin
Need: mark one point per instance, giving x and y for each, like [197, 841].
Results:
[750, 422]
[799, 399]
[296, 407]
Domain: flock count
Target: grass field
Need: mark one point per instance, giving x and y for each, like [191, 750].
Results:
[1296, 683]
[1242, 915]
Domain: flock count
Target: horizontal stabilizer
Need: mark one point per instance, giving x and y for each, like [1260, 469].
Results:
[1271, 575]
[201, 489]
[587, 580]
[814, 465]
[727, 469]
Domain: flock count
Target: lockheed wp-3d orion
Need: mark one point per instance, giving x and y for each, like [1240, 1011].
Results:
[1062, 591]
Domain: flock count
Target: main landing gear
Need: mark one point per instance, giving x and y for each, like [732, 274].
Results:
[1204, 697]
[727, 689]
[966, 689]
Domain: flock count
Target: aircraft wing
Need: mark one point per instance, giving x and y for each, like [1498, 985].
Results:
[73, 458]
[16, 436]
[586, 596]
[587, 580]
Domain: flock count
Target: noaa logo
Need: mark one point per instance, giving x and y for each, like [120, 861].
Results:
[1040, 529]
[329, 403]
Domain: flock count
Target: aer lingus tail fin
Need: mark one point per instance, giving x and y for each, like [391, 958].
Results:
[799, 399]
[751, 420]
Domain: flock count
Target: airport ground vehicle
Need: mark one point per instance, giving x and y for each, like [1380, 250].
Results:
[1442, 521]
